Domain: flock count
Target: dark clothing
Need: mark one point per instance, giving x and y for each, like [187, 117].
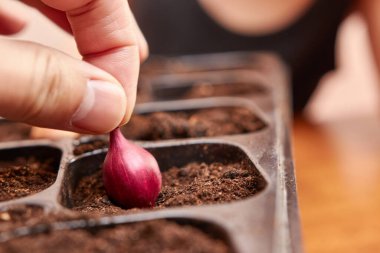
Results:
[176, 27]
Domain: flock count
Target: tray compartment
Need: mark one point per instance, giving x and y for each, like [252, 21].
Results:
[27, 170]
[194, 119]
[184, 168]
[162, 235]
[237, 83]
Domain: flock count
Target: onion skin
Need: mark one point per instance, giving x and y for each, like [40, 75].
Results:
[131, 174]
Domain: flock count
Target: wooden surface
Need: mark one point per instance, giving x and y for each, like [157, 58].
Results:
[338, 177]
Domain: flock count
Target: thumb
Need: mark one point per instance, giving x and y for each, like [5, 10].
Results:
[47, 88]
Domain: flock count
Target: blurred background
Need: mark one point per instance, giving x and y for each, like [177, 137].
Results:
[336, 142]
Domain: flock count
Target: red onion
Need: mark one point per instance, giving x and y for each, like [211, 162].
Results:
[131, 175]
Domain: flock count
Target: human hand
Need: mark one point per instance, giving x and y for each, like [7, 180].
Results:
[44, 87]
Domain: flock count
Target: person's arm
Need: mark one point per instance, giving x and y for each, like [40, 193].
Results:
[44, 87]
[370, 9]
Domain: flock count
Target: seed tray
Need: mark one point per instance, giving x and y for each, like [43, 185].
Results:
[265, 221]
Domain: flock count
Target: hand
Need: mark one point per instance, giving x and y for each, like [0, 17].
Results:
[44, 87]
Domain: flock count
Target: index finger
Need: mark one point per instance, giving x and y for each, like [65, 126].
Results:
[104, 33]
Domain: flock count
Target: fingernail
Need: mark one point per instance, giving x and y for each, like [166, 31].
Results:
[102, 108]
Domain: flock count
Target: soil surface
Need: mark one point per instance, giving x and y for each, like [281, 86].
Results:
[200, 90]
[11, 131]
[205, 89]
[89, 146]
[144, 237]
[190, 124]
[25, 176]
[192, 184]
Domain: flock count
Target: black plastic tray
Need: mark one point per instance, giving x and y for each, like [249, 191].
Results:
[265, 222]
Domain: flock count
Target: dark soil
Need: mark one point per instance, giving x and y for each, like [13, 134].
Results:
[144, 237]
[205, 89]
[200, 183]
[91, 197]
[89, 146]
[192, 184]
[190, 124]
[223, 89]
[10, 131]
[25, 176]
[198, 90]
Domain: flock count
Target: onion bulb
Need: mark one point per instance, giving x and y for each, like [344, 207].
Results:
[131, 174]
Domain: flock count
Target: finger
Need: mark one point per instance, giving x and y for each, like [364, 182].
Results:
[58, 17]
[143, 45]
[46, 88]
[104, 32]
[9, 22]
[48, 133]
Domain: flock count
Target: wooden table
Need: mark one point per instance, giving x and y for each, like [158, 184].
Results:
[338, 176]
